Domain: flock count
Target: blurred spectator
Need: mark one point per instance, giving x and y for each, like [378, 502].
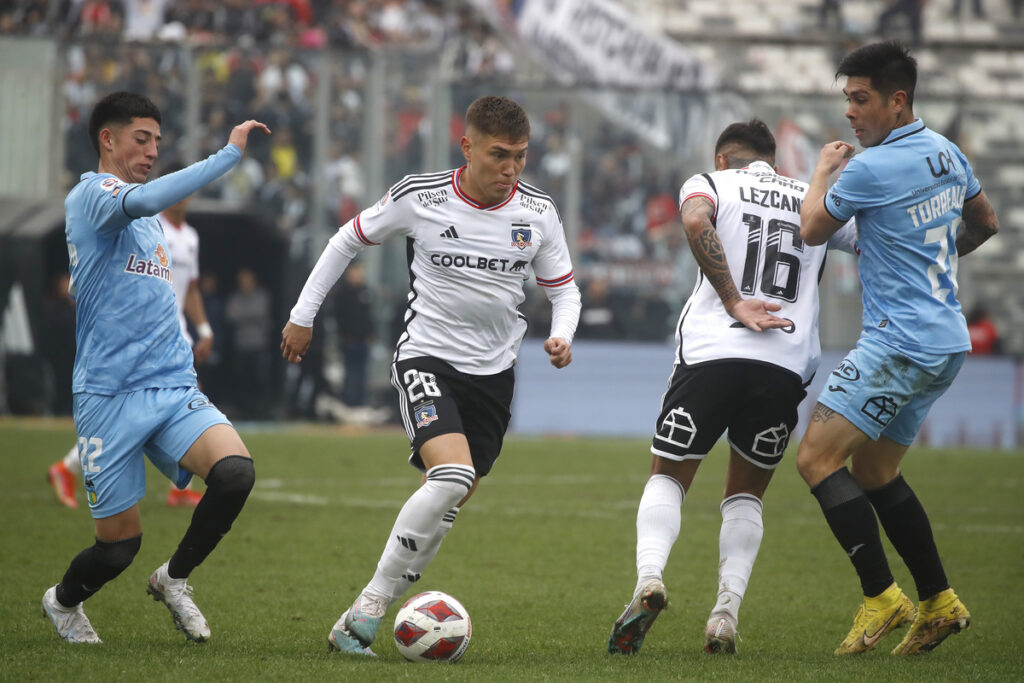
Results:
[598, 318]
[355, 327]
[979, 11]
[985, 339]
[211, 373]
[57, 342]
[830, 15]
[911, 12]
[249, 319]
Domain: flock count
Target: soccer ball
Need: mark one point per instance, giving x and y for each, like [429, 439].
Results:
[431, 627]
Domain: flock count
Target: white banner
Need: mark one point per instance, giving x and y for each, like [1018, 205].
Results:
[597, 43]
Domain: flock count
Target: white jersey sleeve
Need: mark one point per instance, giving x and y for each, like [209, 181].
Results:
[552, 266]
[699, 186]
[370, 227]
[845, 238]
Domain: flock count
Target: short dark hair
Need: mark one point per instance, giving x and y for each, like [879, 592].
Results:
[119, 108]
[888, 65]
[498, 117]
[753, 135]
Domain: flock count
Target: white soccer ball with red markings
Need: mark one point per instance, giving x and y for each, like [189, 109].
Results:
[432, 627]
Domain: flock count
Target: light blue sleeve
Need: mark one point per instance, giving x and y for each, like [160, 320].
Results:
[973, 185]
[98, 200]
[856, 188]
[153, 197]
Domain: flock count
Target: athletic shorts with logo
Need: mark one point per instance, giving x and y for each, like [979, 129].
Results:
[886, 392]
[434, 398]
[755, 402]
[115, 432]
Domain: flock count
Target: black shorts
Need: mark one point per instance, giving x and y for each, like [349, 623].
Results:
[755, 402]
[434, 398]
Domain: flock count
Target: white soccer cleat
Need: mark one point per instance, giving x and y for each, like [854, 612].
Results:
[720, 635]
[177, 595]
[71, 623]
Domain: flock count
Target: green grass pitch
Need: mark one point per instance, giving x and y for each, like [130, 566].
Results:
[542, 557]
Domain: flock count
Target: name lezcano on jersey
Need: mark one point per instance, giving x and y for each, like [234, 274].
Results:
[770, 199]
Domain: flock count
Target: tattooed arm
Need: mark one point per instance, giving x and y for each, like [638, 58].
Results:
[980, 223]
[710, 256]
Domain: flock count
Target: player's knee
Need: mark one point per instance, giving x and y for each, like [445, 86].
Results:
[233, 475]
[117, 555]
[455, 481]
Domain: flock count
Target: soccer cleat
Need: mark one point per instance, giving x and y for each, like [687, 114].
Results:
[937, 618]
[71, 623]
[183, 498]
[363, 618]
[177, 595]
[341, 640]
[875, 618]
[63, 483]
[720, 636]
[631, 627]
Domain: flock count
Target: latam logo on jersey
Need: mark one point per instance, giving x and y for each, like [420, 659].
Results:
[158, 267]
[521, 235]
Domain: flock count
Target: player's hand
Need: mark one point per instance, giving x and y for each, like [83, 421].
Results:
[755, 315]
[559, 350]
[834, 154]
[240, 133]
[201, 351]
[295, 342]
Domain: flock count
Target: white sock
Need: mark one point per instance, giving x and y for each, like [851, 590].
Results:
[738, 543]
[425, 555]
[72, 462]
[417, 524]
[657, 525]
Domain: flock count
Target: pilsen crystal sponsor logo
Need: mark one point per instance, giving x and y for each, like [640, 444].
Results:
[158, 266]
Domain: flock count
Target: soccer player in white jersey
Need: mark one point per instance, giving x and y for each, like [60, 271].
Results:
[183, 249]
[471, 233]
[134, 382]
[918, 206]
[747, 347]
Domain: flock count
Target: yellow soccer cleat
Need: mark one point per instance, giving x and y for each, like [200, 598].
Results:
[875, 618]
[937, 618]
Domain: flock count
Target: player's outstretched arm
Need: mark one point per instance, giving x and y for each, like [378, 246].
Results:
[816, 225]
[295, 341]
[980, 223]
[559, 350]
[707, 249]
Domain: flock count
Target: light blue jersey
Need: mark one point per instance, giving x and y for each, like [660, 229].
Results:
[907, 195]
[127, 328]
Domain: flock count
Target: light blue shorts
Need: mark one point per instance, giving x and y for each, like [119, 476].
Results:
[884, 392]
[115, 431]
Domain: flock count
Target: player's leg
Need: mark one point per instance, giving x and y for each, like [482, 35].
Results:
[198, 440]
[862, 396]
[114, 481]
[764, 415]
[688, 426]
[739, 541]
[876, 468]
[427, 390]
[62, 476]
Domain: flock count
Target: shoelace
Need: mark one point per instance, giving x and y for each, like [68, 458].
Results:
[182, 598]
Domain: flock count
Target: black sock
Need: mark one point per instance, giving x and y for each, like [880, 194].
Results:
[227, 486]
[907, 526]
[849, 515]
[95, 566]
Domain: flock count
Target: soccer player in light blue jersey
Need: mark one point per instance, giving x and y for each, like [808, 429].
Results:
[918, 207]
[134, 385]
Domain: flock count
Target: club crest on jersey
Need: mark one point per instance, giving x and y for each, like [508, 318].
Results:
[112, 185]
[425, 414]
[521, 237]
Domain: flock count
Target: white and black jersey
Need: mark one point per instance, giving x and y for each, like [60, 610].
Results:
[467, 267]
[757, 218]
[183, 245]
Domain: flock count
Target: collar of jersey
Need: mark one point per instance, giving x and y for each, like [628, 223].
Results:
[760, 162]
[477, 205]
[915, 126]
